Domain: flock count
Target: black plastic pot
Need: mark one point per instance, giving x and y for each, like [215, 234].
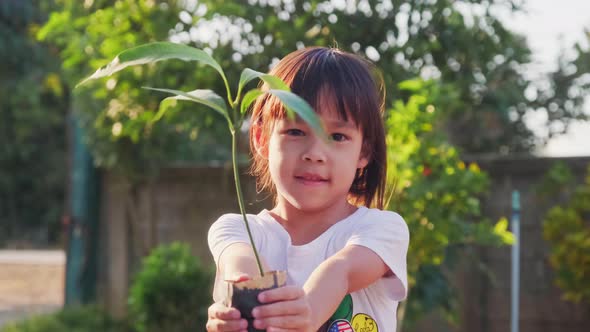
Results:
[243, 295]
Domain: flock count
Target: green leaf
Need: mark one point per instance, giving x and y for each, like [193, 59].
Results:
[249, 97]
[411, 85]
[205, 97]
[501, 230]
[272, 81]
[154, 52]
[295, 104]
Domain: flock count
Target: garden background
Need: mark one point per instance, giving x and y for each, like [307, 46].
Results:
[86, 171]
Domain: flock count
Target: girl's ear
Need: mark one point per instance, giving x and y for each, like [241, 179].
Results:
[363, 162]
[260, 143]
[364, 157]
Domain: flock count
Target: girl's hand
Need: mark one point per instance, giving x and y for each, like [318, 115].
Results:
[288, 309]
[227, 319]
[224, 318]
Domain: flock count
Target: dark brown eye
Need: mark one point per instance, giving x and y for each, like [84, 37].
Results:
[294, 132]
[339, 137]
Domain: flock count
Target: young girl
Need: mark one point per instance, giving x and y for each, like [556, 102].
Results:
[345, 258]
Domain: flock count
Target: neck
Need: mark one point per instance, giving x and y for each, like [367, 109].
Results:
[304, 226]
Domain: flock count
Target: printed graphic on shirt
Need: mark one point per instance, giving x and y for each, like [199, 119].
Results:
[343, 312]
[340, 325]
[364, 323]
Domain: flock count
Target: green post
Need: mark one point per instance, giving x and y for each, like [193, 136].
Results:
[80, 285]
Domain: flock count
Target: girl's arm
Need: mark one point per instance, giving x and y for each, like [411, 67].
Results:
[352, 268]
[238, 259]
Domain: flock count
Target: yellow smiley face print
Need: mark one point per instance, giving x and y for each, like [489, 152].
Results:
[364, 323]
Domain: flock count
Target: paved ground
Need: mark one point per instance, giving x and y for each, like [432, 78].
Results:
[30, 282]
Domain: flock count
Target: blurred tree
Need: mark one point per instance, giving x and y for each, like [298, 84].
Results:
[561, 95]
[406, 39]
[463, 43]
[116, 116]
[33, 103]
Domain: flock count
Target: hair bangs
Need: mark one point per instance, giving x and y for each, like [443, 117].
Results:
[329, 79]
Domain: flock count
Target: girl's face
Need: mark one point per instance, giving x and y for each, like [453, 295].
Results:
[309, 173]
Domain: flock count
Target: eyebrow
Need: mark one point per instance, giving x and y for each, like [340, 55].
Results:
[341, 124]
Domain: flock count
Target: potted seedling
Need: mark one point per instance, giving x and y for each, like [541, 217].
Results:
[243, 294]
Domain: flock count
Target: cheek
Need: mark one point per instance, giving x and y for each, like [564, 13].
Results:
[276, 160]
[349, 175]
[280, 172]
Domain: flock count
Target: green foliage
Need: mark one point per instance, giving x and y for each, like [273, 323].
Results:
[438, 195]
[567, 229]
[171, 292]
[407, 39]
[117, 116]
[33, 105]
[78, 319]
[429, 39]
[558, 180]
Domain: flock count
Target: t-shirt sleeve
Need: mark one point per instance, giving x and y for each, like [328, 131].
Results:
[226, 230]
[386, 234]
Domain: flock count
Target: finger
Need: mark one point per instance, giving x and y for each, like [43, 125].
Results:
[218, 325]
[282, 308]
[220, 311]
[281, 322]
[281, 294]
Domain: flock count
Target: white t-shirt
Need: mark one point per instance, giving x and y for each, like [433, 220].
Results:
[384, 232]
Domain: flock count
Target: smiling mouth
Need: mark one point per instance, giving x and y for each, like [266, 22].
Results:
[311, 179]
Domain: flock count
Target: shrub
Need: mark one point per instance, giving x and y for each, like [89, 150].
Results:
[79, 319]
[171, 292]
[439, 196]
[567, 229]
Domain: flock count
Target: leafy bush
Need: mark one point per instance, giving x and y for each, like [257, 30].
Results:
[171, 292]
[437, 193]
[567, 229]
[80, 319]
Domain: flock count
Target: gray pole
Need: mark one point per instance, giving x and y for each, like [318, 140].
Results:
[515, 261]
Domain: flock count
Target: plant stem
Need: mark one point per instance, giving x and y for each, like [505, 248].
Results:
[234, 157]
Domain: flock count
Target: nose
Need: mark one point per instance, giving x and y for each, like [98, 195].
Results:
[315, 150]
